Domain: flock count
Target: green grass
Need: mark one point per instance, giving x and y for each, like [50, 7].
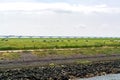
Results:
[85, 46]
[51, 43]
[52, 46]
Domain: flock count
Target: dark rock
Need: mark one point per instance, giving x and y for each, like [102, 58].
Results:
[65, 72]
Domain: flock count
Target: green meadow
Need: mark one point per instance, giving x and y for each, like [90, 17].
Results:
[63, 47]
[52, 43]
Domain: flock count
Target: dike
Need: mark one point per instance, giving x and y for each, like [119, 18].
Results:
[61, 72]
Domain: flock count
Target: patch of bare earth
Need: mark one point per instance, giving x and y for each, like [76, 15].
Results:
[29, 59]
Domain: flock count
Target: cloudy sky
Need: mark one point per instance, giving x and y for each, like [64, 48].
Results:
[99, 18]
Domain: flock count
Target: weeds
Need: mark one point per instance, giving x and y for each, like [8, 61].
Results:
[9, 56]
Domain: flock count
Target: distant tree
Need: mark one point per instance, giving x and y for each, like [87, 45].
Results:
[44, 40]
[86, 40]
[57, 40]
[33, 41]
[3, 39]
[6, 39]
[68, 40]
[76, 40]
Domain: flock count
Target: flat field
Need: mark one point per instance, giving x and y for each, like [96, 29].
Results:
[56, 43]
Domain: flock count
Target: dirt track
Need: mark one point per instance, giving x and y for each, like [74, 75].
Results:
[28, 59]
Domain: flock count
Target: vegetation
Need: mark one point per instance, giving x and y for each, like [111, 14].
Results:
[81, 51]
[60, 46]
[82, 62]
[9, 56]
[51, 43]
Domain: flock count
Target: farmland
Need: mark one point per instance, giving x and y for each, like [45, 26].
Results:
[56, 43]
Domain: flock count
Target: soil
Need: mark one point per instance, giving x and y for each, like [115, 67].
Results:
[28, 59]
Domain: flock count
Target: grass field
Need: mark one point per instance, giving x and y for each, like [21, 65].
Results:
[51, 43]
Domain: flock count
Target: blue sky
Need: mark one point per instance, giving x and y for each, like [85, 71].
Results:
[60, 17]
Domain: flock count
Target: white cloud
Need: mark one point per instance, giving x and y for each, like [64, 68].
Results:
[73, 24]
[46, 19]
[65, 7]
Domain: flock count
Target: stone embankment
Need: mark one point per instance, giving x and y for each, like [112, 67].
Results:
[61, 72]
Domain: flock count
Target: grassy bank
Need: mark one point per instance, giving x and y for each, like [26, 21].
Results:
[60, 53]
[81, 51]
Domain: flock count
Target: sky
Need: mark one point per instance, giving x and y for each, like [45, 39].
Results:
[92, 18]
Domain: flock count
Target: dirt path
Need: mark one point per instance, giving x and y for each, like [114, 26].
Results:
[30, 60]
